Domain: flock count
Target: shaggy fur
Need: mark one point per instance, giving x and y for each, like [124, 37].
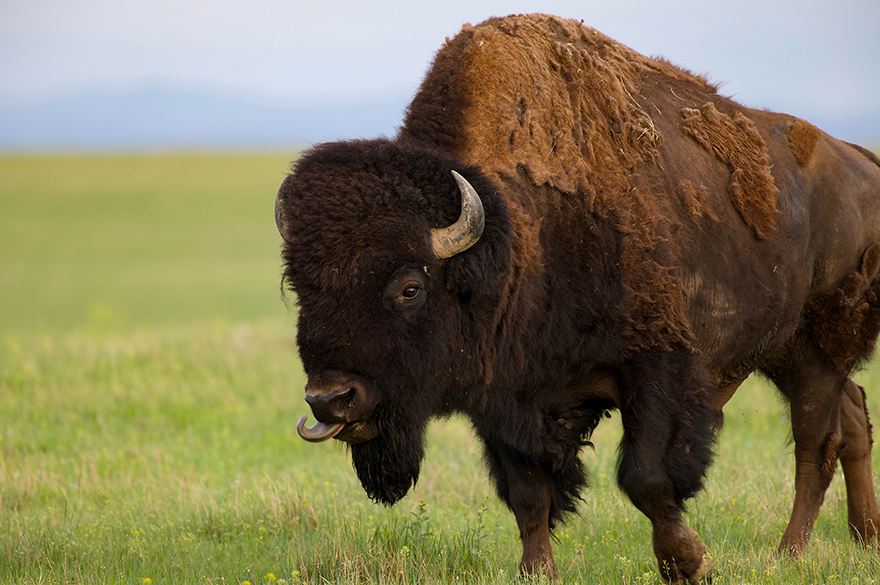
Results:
[739, 145]
[566, 120]
[648, 245]
[803, 138]
[846, 320]
[695, 200]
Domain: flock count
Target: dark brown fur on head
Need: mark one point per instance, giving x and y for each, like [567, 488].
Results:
[354, 215]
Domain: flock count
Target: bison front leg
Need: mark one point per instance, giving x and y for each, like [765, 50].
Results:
[681, 557]
[668, 432]
[530, 501]
[526, 487]
[855, 459]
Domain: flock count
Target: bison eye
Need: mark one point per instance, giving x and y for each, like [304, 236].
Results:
[409, 298]
[406, 292]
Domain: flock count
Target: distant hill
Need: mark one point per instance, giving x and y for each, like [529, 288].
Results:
[161, 117]
[168, 118]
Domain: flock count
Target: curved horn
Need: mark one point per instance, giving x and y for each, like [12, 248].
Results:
[464, 233]
[319, 432]
[279, 216]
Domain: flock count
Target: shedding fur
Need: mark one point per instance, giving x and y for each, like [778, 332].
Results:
[553, 102]
[558, 118]
[829, 454]
[869, 428]
[695, 200]
[737, 143]
[802, 138]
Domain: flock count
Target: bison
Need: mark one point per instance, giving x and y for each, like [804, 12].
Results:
[561, 227]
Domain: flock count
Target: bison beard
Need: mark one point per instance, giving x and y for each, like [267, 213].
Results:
[648, 245]
[388, 466]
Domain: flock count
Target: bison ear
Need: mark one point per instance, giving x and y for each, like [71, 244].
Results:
[481, 268]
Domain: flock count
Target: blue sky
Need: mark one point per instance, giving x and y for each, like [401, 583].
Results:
[817, 60]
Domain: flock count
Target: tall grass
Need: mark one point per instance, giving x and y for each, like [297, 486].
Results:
[149, 389]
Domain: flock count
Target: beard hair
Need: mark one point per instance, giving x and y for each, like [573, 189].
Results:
[389, 464]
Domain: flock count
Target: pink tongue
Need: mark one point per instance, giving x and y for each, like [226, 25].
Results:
[319, 432]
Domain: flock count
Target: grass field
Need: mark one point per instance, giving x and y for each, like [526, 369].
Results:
[149, 389]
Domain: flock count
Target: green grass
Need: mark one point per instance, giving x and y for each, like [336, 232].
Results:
[111, 241]
[149, 389]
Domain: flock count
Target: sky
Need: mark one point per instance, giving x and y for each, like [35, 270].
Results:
[336, 64]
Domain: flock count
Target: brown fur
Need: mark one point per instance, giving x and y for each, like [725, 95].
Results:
[695, 200]
[803, 137]
[739, 145]
[519, 111]
[567, 120]
[654, 297]
[869, 427]
[829, 455]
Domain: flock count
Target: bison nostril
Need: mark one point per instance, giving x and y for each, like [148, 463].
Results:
[348, 397]
[332, 405]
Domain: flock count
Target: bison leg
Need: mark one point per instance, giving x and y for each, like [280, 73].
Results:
[680, 554]
[531, 505]
[668, 420]
[526, 488]
[813, 389]
[855, 459]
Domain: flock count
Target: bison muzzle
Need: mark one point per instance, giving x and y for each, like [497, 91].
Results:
[563, 227]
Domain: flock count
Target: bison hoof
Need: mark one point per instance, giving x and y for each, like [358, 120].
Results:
[703, 574]
[686, 561]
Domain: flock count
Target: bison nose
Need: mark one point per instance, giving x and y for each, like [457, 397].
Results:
[332, 406]
[339, 397]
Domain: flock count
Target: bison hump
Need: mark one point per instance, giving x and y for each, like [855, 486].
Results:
[543, 98]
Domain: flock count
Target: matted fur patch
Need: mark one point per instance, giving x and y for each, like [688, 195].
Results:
[553, 99]
[695, 200]
[802, 138]
[737, 143]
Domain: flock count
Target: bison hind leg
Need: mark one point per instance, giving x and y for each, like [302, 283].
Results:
[855, 459]
[828, 412]
[814, 388]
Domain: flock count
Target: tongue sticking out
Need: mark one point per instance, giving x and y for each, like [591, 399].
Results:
[319, 432]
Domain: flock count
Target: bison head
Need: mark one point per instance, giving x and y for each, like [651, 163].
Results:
[397, 284]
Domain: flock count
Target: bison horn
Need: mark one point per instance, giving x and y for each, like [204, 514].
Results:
[464, 233]
[319, 432]
[279, 216]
